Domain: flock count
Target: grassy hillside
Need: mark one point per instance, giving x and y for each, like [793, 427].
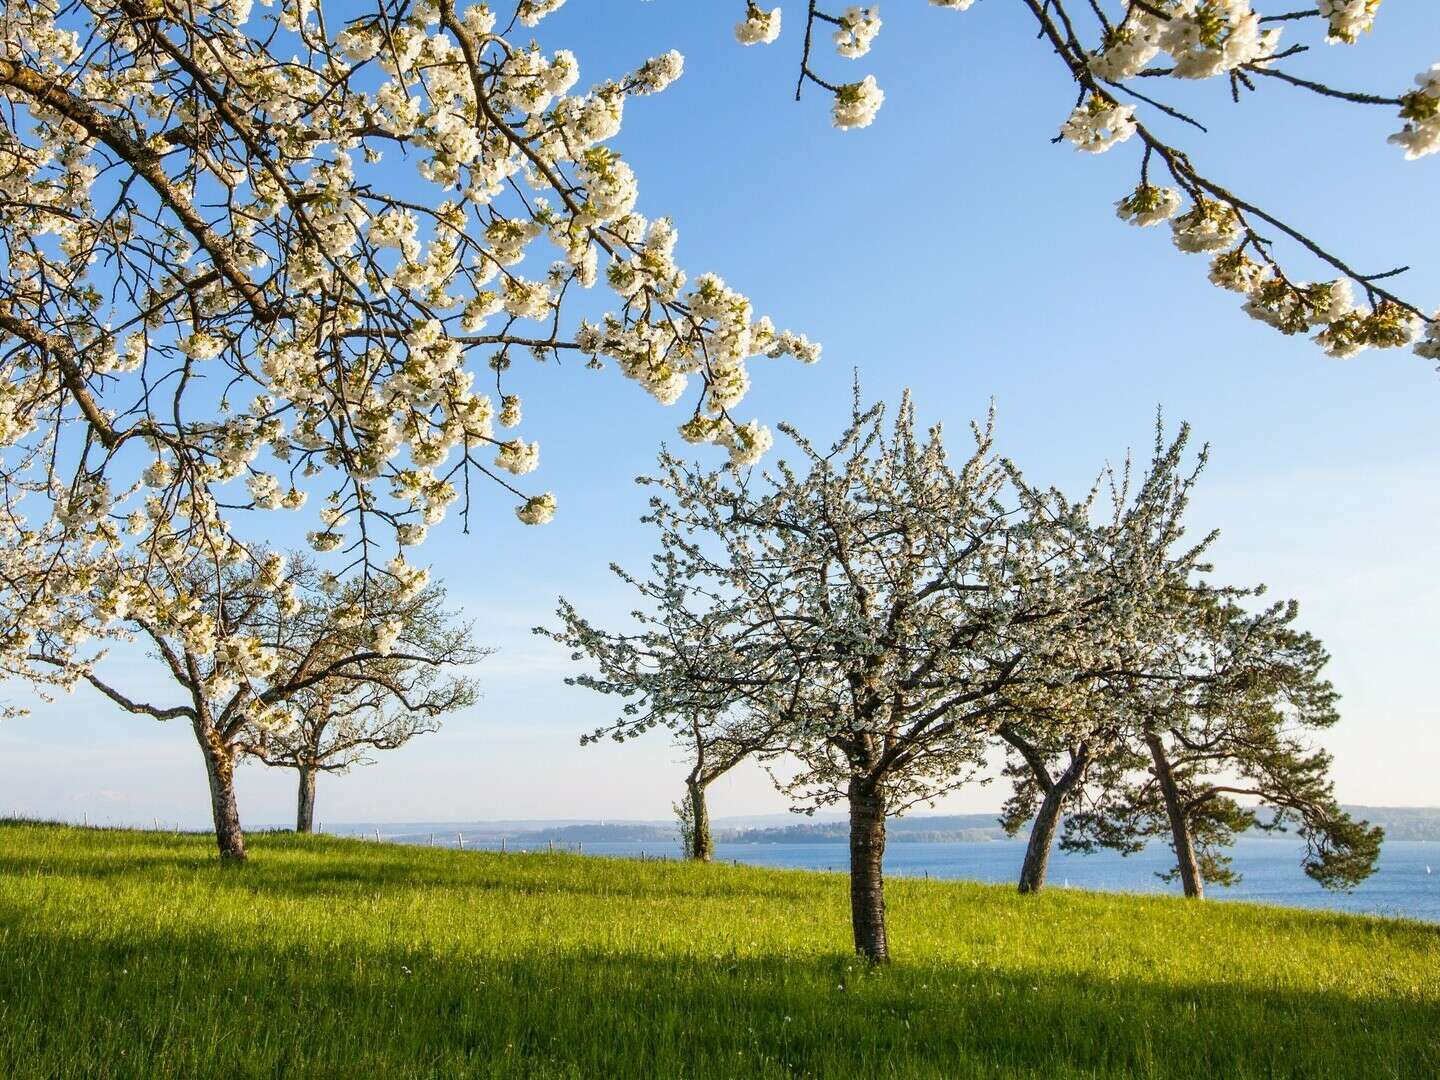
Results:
[133, 954]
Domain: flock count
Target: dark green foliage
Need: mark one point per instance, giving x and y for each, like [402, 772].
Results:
[1111, 814]
[1214, 825]
[1343, 851]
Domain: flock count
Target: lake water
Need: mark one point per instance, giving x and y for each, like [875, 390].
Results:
[1403, 885]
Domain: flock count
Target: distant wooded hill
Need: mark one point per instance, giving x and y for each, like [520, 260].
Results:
[1399, 823]
[928, 829]
[1402, 822]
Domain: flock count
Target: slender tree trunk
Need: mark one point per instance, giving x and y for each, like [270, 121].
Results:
[1181, 840]
[220, 769]
[867, 881]
[1047, 819]
[305, 811]
[702, 846]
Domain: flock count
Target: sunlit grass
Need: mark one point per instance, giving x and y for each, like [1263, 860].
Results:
[137, 954]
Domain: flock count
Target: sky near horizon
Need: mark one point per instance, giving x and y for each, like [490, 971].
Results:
[952, 249]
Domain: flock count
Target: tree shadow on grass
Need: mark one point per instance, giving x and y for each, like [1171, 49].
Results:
[154, 1005]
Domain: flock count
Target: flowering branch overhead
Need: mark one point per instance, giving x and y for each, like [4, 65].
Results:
[209, 276]
[1107, 48]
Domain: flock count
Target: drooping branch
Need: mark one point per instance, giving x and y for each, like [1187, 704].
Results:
[139, 708]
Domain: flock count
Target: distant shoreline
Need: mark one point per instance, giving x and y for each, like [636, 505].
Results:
[1399, 823]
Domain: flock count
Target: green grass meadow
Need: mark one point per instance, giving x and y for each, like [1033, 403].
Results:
[129, 954]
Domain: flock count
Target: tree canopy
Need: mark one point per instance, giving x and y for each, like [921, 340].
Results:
[207, 275]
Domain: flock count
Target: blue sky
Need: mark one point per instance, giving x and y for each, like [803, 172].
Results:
[949, 248]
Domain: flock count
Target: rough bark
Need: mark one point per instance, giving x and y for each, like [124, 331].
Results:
[305, 810]
[702, 846]
[220, 769]
[1181, 839]
[1047, 819]
[867, 882]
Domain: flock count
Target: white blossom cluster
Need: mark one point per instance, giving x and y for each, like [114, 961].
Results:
[385, 633]
[1421, 112]
[1203, 38]
[759, 27]
[538, 510]
[1210, 37]
[1428, 345]
[858, 27]
[1127, 48]
[857, 103]
[1208, 225]
[1148, 205]
[530, 12]
[518, 457]
[1097, 124]
[1347, 19]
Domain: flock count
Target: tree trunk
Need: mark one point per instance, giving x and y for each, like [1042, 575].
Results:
[305, 812]
[220, 768]
[702, 846]
[1181, 840]
[867, 882]
[1047, 819]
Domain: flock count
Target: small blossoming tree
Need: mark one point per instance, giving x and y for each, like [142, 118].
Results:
[875, 605]
[676, 672]
[714, 746]
[243, 646]
[1120, 56]
[375, 703]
